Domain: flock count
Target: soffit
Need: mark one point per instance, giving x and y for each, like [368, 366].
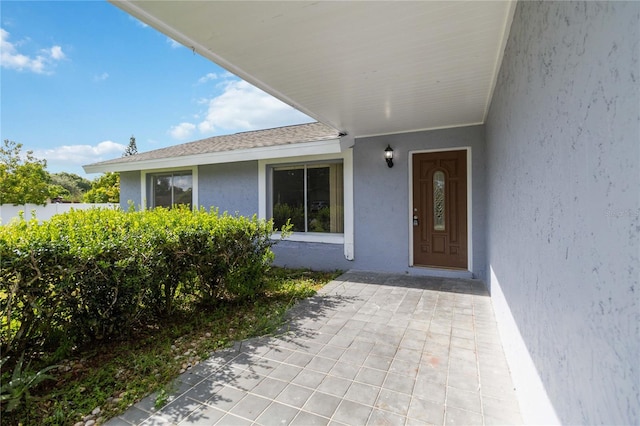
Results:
[365, 68]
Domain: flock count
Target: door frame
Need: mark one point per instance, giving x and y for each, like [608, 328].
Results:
[469, 204]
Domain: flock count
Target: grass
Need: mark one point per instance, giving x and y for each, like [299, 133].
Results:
[115, 375]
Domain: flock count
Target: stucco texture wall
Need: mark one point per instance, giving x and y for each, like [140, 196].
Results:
[306, 255]
[130, 189]
[563, 224]
[231, 187]
[382, 197]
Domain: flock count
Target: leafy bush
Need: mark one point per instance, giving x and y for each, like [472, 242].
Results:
[284, 213]
[97, 274]
[104, 189]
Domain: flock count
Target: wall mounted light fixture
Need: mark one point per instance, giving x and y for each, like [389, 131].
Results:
[388, 155]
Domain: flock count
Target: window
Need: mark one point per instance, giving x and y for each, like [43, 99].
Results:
[170, 189]
[310, 195]
[340, 187]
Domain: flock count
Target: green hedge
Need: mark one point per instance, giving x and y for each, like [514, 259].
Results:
[96, 274]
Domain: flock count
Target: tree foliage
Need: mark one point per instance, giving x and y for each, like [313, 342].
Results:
[132, 148]
[23, 178]
[72, 187]
[105, 189]
[58, 193]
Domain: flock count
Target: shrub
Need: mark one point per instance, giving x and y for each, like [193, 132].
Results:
[101, 290]
[99, 273]
[284, 213]
[244, 252]
[32, 260]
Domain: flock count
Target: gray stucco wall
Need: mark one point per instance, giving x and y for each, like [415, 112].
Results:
[564, 204]
[130, 189]
[316, 256]
[382, 197]
[230, 187]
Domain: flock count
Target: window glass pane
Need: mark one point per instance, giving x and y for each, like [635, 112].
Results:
[162, 191]
[324, 198]
[171, 189]
[438, 201]
[311, 196]
[318, 216]
[288, 198]
[336, 185]
[182, 189]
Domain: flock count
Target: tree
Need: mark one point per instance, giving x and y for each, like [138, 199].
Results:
[58, 193]
[132, 148]
[105, 189]
[23, 179]
[74, 185]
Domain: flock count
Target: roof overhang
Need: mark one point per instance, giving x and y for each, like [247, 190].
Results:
[331, 146]
[364, 68]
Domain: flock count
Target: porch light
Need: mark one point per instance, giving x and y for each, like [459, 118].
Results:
[388, 155]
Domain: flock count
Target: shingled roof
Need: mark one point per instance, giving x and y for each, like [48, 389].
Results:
[288, 135]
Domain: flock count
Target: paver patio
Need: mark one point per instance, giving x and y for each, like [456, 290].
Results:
[369, 348]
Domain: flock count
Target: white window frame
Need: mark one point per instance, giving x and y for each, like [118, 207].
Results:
[347, 237]
[194, 179]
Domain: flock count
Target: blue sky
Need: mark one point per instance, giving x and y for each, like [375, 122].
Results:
[78, 79]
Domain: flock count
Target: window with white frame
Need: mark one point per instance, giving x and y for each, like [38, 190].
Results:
[170, 189]
[310, 195]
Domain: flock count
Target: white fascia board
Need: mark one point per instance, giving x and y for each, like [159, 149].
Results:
[331, 146]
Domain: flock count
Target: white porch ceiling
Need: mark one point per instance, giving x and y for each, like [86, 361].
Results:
[365, 68]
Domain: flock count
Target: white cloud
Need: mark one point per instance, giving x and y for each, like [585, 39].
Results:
[80, 154]
[208, 77]
[243, 107]
[100, 77]
[174, 44]
[138, 22]
[182, 130]
[41, 63]
[57, 53]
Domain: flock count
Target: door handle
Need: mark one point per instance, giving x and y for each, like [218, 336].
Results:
[415, 221]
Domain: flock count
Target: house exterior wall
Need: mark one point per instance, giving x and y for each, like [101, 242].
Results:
[231, 187]
[382, 198]
[130, 189]
[316, 256]
[563, 219]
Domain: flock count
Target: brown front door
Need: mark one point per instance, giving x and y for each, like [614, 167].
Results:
[440, 209]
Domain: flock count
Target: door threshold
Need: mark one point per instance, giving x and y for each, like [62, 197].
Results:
[441, 272]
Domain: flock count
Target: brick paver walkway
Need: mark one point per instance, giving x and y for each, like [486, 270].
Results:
[370, 348]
